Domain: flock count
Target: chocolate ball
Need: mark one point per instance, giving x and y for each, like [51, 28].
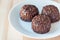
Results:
[52, 11]
[27, 12]
[41, 24]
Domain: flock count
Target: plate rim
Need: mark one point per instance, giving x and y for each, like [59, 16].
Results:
[21, 32]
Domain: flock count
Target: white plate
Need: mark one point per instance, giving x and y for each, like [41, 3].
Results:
[25, 27]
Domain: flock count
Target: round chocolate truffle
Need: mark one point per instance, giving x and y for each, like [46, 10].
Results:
[27, 12]
[41, 24]
[52, 11]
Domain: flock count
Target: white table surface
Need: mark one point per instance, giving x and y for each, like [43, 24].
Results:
[5, 33]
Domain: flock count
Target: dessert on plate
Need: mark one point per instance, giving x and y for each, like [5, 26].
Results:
[52, 11]
[41, 24]
[27, 12]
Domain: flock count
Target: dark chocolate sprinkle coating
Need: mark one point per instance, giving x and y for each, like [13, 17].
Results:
[41, 24]
[27, 12]
[52, 11]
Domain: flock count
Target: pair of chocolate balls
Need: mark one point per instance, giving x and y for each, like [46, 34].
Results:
[41, 23]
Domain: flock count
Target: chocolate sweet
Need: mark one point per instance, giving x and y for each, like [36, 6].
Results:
[52, 11]
[41, 24]
[27, 12]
